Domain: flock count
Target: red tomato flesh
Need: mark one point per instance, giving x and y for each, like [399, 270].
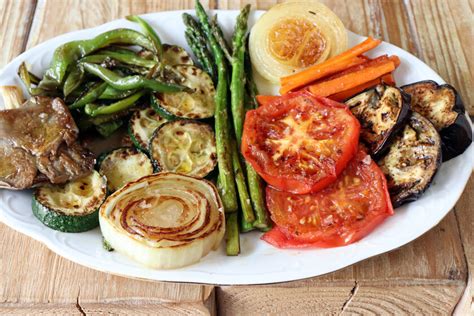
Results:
[300, 143]
[338, 215]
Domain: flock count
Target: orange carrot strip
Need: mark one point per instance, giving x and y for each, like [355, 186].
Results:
[324, 71]
[351, 80]
[344, 95]
[265, 99]
[369, 63]
[318, 71]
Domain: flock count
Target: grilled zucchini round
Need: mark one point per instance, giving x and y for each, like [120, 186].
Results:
[72, 207]
[412, 160]
[142, 125]
[185, 147]
[176, 55]
[196, 105]
[123, 165]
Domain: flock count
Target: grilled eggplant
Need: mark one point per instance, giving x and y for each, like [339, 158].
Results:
[442, 105]
[381, 110]
[412, 160]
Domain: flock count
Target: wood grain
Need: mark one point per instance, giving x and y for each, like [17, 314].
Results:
[424, 277]
[15, 22]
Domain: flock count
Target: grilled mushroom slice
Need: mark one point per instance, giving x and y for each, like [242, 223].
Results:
[412, 160]
[381, 112]
[442, 105]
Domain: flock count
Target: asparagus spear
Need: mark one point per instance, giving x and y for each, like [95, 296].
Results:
[197, 41]
[244, 198]
[219, 35]
[223, 146]
[232, 235]
[237, 86]
[255, 183]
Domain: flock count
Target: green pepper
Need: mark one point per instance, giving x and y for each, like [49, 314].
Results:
[130, 59]
[150, 32]
[131, 82]
[90, 96]
[114, 94]
[73, 80]
[94, 110]
[69, 53]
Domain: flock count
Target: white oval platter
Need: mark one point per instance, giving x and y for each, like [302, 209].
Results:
[258, 262]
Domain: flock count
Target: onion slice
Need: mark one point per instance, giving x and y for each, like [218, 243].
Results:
[164, 220]
[294, 35]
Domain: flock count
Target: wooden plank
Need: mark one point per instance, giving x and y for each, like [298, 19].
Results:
[15, 17]
[445, 30]
[464, 211]
[425, 275]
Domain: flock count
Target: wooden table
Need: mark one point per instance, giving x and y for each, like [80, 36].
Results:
[429, 275]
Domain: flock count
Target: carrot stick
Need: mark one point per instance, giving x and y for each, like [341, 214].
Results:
[323, 69]
[369, 63]
[265, 99]
[344, 95]
[351, 80]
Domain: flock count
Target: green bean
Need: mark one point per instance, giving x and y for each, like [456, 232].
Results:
[90, 96]
[123, 58]
[222, 129]
[71, 52]
[95, 110]
[130, 82]
[150, 32]
[73, 79]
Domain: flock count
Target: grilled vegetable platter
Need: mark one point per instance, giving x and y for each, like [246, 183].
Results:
[282, 132]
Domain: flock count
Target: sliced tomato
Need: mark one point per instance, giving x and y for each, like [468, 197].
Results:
[299, 142]
[338, 215]
[266, 99]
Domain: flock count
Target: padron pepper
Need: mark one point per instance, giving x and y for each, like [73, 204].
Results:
[71, 52]
[131, 82]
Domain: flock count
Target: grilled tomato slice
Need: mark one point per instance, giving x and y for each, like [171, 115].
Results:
[300, 143]
[338, 215]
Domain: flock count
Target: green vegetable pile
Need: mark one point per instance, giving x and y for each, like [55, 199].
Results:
[229, 66]
[103, 79]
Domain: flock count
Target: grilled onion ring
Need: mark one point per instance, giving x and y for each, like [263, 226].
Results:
[164, 220]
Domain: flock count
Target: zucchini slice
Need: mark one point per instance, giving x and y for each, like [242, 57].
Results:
[142, 125]
[176, 55]
[412, 160]
[72, 207]
[124, 165]
[185, 147]
[196, 105]
[381, 111]
[442, 105]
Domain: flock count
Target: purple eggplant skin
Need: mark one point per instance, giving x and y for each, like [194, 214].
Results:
[457, 136]
[378, 147]
[416, 147]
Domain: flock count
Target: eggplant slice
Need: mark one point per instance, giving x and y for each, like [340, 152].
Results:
[412, 160]
[381, 111]
[442, 105]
